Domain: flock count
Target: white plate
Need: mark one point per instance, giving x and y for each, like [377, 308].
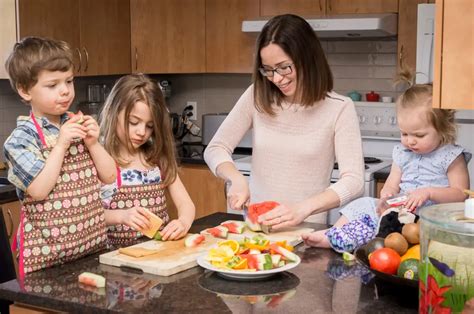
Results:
[245, 275]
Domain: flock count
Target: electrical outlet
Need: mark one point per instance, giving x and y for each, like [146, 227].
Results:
[193, 110]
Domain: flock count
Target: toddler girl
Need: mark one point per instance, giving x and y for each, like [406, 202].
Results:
[427, 166]
[136, 128]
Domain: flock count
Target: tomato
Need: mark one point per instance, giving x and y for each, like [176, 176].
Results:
[385, 260]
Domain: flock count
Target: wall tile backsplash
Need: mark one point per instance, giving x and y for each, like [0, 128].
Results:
[357, 65]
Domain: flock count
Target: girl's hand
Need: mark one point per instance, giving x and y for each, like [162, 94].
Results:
[136, 218]
[175, 229]
[238, 194]
[416, 198]
[69, 131]
[283, 216]
[92, 129]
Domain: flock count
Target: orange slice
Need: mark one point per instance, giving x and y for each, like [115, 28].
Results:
[234, 245]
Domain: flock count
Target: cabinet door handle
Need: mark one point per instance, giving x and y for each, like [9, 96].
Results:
[80, 59]
[136, 59]
[320, 7]
[87, 58]
[329, 6]
[10, 217]
[400, 57]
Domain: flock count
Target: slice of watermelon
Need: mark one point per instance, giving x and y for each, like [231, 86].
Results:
[217, 232]
[194, 240]
[72, 115]
[256, 210]
[234, 226]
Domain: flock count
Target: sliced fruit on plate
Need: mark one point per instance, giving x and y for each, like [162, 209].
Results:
[234, 245]
[264, 261]
[287, 255]
[234, 226]
[217, 232]
[194, 240]
[255, 210]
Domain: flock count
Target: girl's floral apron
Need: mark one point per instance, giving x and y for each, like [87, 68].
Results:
[151, 196]
[70, 222]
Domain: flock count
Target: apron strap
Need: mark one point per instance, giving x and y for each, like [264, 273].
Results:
[119, 178]
[38, 129]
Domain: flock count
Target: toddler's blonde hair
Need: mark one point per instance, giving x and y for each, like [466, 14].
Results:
[421, 95]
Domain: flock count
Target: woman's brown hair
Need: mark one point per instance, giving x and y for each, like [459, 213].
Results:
[160, 149]
[297, 39]
[421, 95]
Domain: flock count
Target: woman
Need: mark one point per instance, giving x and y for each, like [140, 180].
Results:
[299, 128]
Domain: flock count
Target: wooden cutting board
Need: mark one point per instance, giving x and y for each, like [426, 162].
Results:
[292, 235]
[171, 257]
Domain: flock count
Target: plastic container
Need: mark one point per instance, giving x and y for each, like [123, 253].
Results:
[447, 260]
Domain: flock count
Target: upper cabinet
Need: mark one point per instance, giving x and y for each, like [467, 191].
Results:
[8, 33]
[228, 49]
[326, 7]
[453, 84]
[168, 36]
[98, 31]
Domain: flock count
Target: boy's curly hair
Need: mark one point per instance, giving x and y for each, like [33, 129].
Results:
[32, 55]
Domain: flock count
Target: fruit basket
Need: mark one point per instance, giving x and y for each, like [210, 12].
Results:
[362, 256]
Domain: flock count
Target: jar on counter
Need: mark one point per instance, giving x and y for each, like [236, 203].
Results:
[447, 260]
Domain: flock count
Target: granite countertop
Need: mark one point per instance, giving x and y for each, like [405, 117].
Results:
[322, 283]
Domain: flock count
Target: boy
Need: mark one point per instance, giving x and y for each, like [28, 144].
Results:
[52, 160]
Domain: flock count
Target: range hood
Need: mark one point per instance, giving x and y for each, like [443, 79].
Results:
[342, 26]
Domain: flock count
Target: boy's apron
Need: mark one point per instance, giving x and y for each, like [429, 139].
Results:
[70, 222]
[151, 196]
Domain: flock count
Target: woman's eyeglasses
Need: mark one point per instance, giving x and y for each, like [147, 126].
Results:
[282, 70]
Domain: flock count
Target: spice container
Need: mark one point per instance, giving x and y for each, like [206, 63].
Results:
[447, 254]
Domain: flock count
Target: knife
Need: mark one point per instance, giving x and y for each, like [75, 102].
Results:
[245, 209]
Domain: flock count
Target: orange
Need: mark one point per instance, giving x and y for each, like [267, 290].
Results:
[413, 252]
[234, 245]
[242, 264]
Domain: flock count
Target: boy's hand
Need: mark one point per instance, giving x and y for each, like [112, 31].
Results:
[175, 229]
[136, 218]
[92, 129]
[416, 198]
[69, 131]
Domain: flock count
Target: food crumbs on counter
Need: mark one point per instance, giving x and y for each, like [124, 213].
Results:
[92, 279]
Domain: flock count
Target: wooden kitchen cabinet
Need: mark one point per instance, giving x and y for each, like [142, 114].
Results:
[361, 6]
[299, 7]
[326, 7]
[453, 82]
[98, 31]
[206, 190]
[8, 33]
[168, 36]
[407, 25]
[228, 49]
[11, 215]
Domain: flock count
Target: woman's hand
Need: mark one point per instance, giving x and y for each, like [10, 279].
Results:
[417, 197]
[69, 131]
[92, 129]
[283, 216]
[175, 229]
[238, 194]
[136, 218]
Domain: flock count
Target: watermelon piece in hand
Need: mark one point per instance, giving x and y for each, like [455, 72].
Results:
[80, 114]
[256, 210]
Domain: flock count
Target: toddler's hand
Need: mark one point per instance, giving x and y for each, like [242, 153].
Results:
[174, 230]
[416, 198]
[92, 129]
[136, 218]
[238, 193]
[69, 131]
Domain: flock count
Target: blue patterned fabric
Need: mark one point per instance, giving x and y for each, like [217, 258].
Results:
[352, 235]
[426, 169]
[22, 150]
[130, 177]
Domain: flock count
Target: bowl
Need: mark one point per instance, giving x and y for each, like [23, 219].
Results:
[362, 256]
